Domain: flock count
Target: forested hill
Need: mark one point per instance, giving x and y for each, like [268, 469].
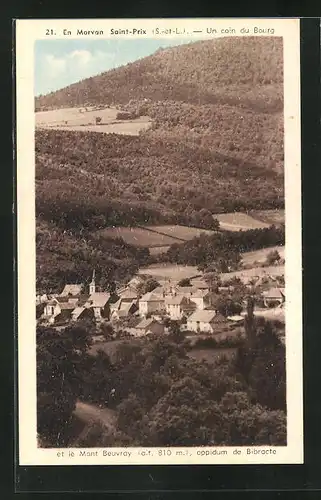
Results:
[240, 71]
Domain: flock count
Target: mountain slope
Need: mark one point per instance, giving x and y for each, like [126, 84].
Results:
[242, 71]
[216, 145]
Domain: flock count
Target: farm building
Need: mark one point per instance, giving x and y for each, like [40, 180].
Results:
[99, 302]
[273, 297]
[179, 306]
[205, 321]
[122, 309]
[151, 302]
[72, 289]
[146, 326]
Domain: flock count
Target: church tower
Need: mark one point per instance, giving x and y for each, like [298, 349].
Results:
[92, 284]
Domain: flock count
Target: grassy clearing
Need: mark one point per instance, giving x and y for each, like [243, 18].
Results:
[238, 221]
[259, 256]
[255, 271]
[158, 250]
[84, 119]
[170, 271]
[139, 237]
[269, 216]
[180, 232]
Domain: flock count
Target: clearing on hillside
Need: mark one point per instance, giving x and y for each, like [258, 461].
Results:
[253, 272]
[238, 221]
[259, 256]
[91, 120]
[183, 233]
[270, 216]
[170, 272]
[139, 237]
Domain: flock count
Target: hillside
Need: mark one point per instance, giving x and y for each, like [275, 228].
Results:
[215, 146]
[240, 71]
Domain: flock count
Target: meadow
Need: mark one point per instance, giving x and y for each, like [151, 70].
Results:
[84, 120]
[139, 236]
[259, 256]
[238, 221]
[183, 233]
[171, 272]
[269, 216]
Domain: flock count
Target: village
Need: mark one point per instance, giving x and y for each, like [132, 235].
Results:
[195, 304]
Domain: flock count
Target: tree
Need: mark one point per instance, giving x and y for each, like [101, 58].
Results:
[60, 362]
[226, 306]
[184, 282]
[175, 332]
[273, 257]
[147, 286]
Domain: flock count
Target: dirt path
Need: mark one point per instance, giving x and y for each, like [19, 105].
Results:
[89, 413]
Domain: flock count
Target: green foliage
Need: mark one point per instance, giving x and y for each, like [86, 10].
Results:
[215, 71]
[147, 286]
[221, 252]
[60, 359]
[272, 258]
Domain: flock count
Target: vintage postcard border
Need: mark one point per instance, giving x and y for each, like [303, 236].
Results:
[27, 32]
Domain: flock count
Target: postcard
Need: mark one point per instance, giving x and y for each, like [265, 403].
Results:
[159, 241]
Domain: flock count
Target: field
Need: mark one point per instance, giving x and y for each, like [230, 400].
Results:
[275, 314]
[158, 250]
[156, 238]
[84, 119]
[238, 221]
[139, 237]
[255, 271]
[259, 256]
[183, 233]
[269, 216]
[171, 272]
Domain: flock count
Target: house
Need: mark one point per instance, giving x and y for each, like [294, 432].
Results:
[74, 289]
[128, 295]
[146, 326]
[273, 297]
[41, 298]
[202, 299]
[236, 319]
[122, 309]
[179, 306]
[99, 302]
[205, 321]
[151, 302]
[56, 308]
[199, 284]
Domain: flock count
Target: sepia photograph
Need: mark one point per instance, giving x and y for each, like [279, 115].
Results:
[162, 232]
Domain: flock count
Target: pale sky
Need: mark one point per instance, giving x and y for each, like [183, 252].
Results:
[59, 63]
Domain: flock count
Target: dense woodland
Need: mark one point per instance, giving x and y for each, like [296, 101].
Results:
[175, 401]
[224, 249]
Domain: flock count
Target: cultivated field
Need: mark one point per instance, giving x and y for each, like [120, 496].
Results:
[157, 238]
[269, 216]
[183, 233]
[84, 119]
[259, 256]
[171, 272]
[253, 272]
[238, 221]
[139, 237]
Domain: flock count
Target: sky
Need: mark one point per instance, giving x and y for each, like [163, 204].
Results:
[59, 63]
